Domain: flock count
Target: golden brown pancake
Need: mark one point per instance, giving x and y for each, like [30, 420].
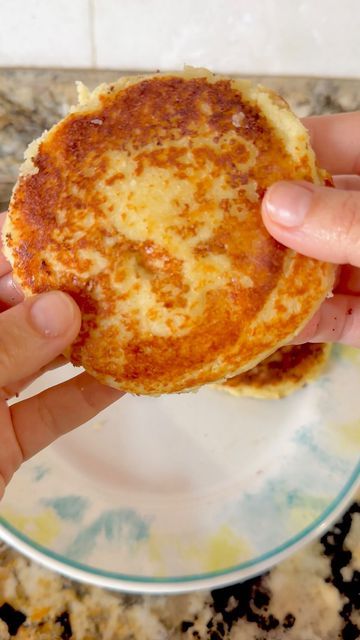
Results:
[144, 205]
[286, 370]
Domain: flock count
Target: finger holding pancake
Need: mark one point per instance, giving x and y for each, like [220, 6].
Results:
[143, 204]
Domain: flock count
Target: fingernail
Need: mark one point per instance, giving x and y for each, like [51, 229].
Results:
[287, 203]
[52, 313]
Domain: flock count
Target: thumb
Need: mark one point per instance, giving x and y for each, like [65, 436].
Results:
[34, 332]
[320, 222]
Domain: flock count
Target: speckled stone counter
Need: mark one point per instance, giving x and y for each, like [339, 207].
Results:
[315, 595]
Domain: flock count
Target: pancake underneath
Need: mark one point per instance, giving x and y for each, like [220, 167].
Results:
[144, 205]
[280, 374]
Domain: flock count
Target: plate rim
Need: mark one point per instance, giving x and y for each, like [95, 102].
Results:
[181, 584]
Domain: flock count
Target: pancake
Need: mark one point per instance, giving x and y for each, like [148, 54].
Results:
[280, 374]
[143, 204]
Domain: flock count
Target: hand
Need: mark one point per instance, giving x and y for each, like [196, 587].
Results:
[32, 334]
[324, 223]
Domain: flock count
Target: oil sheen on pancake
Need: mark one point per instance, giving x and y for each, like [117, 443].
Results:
[144, 205]
[280, 374]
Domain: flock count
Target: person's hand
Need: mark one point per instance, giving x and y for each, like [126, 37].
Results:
[32, 335]
[324, 223]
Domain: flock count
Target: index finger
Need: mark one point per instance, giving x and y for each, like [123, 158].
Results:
[58, 410]
[336, 141]
[5, 267]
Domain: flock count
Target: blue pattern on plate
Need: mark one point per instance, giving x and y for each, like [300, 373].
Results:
[305, 437]
[119, 526]
[40, 471]
[69, 507]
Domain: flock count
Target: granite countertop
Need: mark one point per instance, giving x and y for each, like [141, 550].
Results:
[314, 595]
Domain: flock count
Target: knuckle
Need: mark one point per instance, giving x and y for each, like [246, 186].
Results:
[349, 218]
[12, 457]
[7, 358]
[47, 417]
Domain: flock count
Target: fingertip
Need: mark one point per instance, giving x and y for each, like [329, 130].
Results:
[35, 332]
[75, 324]
[287, 203]
[10, 292]
[55, 314]
[314, 220]
[277, 221]
[97, 394]
[266, 206]
[308, 333]
[282, 216]
[338, 320]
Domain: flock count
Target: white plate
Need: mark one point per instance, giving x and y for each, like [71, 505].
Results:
[190, 491]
